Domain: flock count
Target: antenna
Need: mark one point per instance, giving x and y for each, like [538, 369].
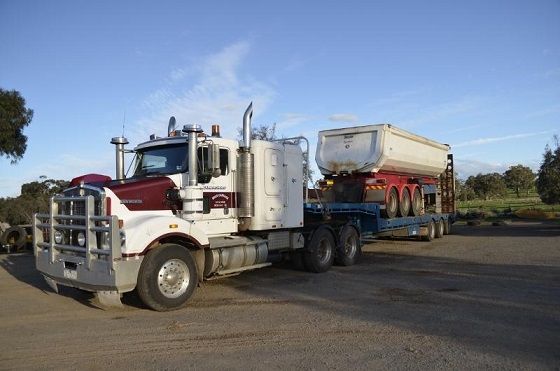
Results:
[123, 121]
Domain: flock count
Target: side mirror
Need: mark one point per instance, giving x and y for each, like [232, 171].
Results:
[214, 154]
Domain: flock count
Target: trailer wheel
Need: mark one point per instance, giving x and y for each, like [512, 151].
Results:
[440, 226]
[431, 231]
[404, 203]
[447, 226]
[349, 248]
[416, 206]
[318, 256]
[392, 204]
[167, 277]
[14, 236]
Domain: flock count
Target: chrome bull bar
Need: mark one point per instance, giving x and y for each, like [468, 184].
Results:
[102, 238]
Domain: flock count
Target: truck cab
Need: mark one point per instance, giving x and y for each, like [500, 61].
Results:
[194, 207]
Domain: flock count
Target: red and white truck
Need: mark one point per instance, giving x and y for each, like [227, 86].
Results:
[198, 207]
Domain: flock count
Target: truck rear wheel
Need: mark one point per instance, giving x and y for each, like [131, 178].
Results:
[439, 229]
[447, 226]
[431, 233]
[391, 204]
[416, 206]
[404, 203]
[349, 248]
[318, 256]
[167, 277]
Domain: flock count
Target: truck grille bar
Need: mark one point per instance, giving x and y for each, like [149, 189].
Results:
[69, 216]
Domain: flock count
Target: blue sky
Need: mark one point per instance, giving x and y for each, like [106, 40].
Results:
[483, 76]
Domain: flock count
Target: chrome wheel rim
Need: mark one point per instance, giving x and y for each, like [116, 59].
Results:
[350, 246]
[173, 278]
[432, 230]
[323, 250]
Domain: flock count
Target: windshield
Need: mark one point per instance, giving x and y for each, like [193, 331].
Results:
[168, 159]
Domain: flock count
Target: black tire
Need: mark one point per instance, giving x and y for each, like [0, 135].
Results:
[349, 247]
[167, 277]
[14, 236]
[392, 204]
[416, 204]
[447, 226]
[404, 203]
[431, 231]
[440, 227]
[318, 256]
[296, 258]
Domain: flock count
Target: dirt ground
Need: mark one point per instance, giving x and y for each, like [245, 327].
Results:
[484, 297]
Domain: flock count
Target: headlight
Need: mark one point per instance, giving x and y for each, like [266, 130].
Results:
[81, 239]
[58, 237]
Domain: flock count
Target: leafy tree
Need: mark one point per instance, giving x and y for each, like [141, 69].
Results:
[463, 191]
[487, 186]
[14, 117]
[548, 181]
[262, 132]
[34, 198]
[519, 178]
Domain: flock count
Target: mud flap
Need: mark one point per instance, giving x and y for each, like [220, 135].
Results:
[51, 283]
[109, 299]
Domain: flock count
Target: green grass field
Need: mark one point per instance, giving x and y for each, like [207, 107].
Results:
[508, 204]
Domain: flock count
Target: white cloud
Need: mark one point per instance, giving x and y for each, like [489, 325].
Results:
[480, 141]
[219, 94]
[343, 117]
[290, 120]
[466, 168]
[442, 111]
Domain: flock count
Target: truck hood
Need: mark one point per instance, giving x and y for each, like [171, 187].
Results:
[148, 193]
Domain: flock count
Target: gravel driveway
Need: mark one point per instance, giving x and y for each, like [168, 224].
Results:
[483, 297]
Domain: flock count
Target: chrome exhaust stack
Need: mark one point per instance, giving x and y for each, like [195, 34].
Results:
[192, 131]
[192, 193]
[119, 143]
[246, 173]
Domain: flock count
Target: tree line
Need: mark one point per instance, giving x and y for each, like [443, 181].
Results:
[520, 179]
[35, 197]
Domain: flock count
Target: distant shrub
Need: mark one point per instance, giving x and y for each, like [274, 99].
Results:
[535, 214]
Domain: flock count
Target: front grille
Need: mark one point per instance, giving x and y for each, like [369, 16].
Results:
[78, 216]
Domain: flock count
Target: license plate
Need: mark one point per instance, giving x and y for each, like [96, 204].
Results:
[71, 274]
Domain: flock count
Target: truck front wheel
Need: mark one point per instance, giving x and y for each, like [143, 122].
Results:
[167, 277]
[318, 255]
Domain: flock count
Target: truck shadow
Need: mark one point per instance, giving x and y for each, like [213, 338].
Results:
[22, 267]
[521, 228]
[506, 309]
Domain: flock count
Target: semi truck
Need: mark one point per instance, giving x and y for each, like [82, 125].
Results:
[198, 207]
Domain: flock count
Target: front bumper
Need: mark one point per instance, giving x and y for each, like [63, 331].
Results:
[98, 265]
[69, 271]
